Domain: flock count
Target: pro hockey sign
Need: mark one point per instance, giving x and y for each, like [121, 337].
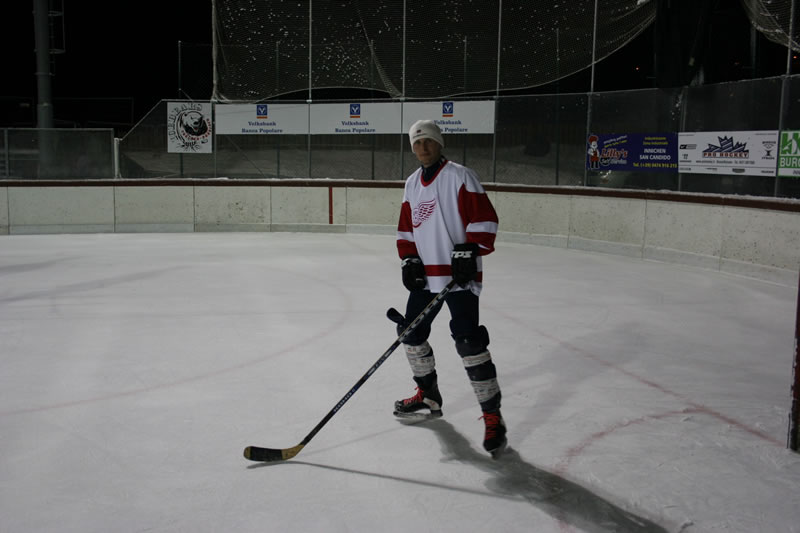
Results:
[752, 153]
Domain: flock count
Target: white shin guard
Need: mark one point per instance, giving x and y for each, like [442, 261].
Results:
[484, 389]
[421, 359]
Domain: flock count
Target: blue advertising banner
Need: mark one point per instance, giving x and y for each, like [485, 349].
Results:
[633, 152]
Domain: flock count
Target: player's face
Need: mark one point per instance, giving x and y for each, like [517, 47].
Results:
[427, 151]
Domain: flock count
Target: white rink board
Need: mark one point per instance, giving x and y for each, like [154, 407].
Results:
[755, 242]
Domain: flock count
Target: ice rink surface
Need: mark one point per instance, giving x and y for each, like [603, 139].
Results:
[639, 396]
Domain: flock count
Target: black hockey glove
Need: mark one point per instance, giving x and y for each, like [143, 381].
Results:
[413, 272]
[464, 262]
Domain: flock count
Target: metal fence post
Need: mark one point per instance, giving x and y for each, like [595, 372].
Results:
[310, 79]
[558, 106]
[684, 106]
[6, 152]
[497, 89]
[591, 94]
[403, 94]
[785, 86]
[117, 173]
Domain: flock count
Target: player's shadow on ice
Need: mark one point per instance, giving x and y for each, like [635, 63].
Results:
[513, 478]
[564, 500]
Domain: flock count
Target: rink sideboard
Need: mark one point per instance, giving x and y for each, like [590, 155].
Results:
[752, 236]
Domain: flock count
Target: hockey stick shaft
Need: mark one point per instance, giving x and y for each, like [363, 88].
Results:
[255, 453]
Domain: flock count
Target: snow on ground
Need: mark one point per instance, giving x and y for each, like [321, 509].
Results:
[639, 396]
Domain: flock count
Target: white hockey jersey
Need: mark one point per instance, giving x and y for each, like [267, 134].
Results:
[452, 208]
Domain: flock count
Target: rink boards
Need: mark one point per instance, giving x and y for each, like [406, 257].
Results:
[753, 236]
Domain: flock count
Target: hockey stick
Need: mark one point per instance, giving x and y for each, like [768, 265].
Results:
[269, 455]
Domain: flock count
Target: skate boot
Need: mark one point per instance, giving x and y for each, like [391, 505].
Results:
[424, 399]
[494, 439]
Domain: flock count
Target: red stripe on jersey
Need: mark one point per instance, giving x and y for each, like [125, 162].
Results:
[476, 207]
[485, 240]
[446, 270]
[405, 223]
[406, 248]
[438, 270]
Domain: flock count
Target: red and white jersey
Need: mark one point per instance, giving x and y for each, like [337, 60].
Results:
[452, 208]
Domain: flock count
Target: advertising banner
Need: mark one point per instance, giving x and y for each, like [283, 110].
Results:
[752, 153]
[356, 118]
[475, 116]
[633, 152]
[262, 119]
[789, 154]
[189, 128]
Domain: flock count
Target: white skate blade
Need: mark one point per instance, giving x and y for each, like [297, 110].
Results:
[416, 417]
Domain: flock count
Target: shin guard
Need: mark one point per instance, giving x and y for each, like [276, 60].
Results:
[423, 364]
[483, 377]
[480, 368]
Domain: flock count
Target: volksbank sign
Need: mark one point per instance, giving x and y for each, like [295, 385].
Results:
[385, 117]
[474, 116]
[353, 118]
[261, 119]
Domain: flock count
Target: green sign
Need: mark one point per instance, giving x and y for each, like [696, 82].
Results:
[789, 154]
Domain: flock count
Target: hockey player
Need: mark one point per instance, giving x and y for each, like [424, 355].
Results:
[446, 224]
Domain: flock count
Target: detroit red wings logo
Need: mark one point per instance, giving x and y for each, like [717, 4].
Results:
[423, 212]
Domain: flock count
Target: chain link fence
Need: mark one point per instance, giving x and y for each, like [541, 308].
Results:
[32, 153]
[537, 140]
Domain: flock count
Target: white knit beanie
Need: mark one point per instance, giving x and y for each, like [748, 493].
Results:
[425, 129]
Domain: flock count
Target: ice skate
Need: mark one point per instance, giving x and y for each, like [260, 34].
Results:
[424, 405]
[494, 439]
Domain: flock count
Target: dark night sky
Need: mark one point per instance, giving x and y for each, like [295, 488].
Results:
[113, 49]
[130, 51]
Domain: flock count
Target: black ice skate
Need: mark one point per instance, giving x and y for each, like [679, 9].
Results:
[494, 439]
[424, 399]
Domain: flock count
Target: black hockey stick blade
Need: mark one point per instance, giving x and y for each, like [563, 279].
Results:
[271, 455]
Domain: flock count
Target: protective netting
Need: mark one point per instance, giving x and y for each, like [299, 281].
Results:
[773, 19]
[413, 48]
